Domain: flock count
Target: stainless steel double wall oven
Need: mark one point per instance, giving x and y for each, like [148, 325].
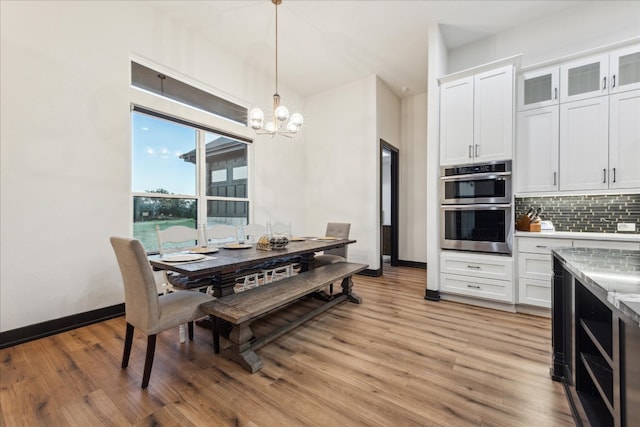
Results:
[476, 207]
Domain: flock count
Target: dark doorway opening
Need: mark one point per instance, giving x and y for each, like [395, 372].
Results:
[389, 203]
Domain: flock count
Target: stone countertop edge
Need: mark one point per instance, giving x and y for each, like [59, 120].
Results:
[624, 237]
[569, 260]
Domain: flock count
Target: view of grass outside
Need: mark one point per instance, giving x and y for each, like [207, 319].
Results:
[146, 231]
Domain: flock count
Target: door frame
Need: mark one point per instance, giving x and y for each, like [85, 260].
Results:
[395, 199]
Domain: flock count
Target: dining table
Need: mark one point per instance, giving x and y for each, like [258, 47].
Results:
[227, 262]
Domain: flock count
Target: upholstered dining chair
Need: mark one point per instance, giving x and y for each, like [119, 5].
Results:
[144, 309]
[333, 256]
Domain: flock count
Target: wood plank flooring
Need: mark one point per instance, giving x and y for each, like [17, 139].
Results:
[395, 360]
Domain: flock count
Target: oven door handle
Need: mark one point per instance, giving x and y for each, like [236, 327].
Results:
[475, 176]
[476, 207]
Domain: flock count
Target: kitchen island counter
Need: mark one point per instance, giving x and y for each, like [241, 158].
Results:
[596, 333]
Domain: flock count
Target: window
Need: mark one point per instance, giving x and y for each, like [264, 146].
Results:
[184, 175]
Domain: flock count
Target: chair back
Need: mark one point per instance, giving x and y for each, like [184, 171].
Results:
[252, 232]
[281, 228]
[220, 233]
[142, 307]
[176, 236]
[341, 231]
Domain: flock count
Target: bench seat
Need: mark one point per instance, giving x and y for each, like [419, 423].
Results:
[242, 308]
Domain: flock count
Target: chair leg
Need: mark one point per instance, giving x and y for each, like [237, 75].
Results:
[181, 330]
[148, 363]
[128, 340]
[190, 327]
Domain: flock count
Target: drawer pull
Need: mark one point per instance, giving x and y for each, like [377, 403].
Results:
[476, 267]
[541, 246]
[473, 286]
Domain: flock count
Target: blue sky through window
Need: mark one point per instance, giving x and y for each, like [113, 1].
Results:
[156, 147]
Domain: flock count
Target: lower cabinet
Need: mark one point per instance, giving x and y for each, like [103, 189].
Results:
[534, 264]
[477, 275]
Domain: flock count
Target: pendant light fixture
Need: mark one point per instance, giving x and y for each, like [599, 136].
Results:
[278, 125]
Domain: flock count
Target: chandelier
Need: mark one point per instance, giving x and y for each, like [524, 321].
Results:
[278, 125]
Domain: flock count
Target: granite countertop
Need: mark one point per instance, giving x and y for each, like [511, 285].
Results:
[624, 237]
[614, 274]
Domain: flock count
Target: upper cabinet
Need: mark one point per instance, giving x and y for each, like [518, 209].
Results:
[538, 88]
[608, 73]
[578, 126]
[476, 117]
[584, 78]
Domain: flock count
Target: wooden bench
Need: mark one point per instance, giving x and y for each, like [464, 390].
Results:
[243, 308]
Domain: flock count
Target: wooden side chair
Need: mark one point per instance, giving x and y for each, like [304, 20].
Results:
[144, 309]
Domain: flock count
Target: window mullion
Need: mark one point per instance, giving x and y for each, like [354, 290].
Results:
[201, 184]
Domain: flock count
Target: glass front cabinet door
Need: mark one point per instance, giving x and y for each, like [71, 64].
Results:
[624, 67]
[538, 88]
[584, 78]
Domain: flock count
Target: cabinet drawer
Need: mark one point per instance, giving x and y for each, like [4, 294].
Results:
[534, 266]
[477, 265]
[534, 292]
[499, 290]
[606, 244]
[541, 245]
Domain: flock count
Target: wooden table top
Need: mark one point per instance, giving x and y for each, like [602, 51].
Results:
[228, 260]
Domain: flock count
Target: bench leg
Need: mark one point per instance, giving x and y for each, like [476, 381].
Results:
[347, 286]
[240, 350]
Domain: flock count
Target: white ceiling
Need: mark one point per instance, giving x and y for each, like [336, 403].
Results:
[326, 43]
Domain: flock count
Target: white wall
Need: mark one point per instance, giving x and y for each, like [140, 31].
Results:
[413, 179]
[65, 146]
[342, 163]
[586, 26]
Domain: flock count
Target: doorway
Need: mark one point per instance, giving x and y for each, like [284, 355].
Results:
[388, 204]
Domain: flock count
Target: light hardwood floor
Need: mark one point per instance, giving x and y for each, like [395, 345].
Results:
[395, 360]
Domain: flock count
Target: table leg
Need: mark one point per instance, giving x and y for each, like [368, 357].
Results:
[347, 286]
[240, 350]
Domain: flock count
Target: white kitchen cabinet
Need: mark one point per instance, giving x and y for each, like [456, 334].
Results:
[536, 151]
[535, 263]
[493, 115]
[624, 140]
[456, 121]
[538, 88]
[476, 118]
[477, 275]
[603, 74]
[624, 68]
[584, 78]
[584, 147]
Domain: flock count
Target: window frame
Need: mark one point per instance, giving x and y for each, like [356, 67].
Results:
[165, 108]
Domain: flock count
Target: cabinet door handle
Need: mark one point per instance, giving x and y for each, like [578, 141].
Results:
[541, 246]
[614, 174]
[604, 176]
[613, 81]
[470, 153]
[555, 175]
[604, 82]
[476, 267]
[473, 286]
[476, 153]
[555, 93]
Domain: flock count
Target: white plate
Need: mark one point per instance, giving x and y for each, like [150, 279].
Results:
[237, 246]
[326, 238]
[204, 250]
[181, 257]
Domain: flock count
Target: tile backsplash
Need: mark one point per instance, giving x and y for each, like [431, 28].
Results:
[598, 214]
